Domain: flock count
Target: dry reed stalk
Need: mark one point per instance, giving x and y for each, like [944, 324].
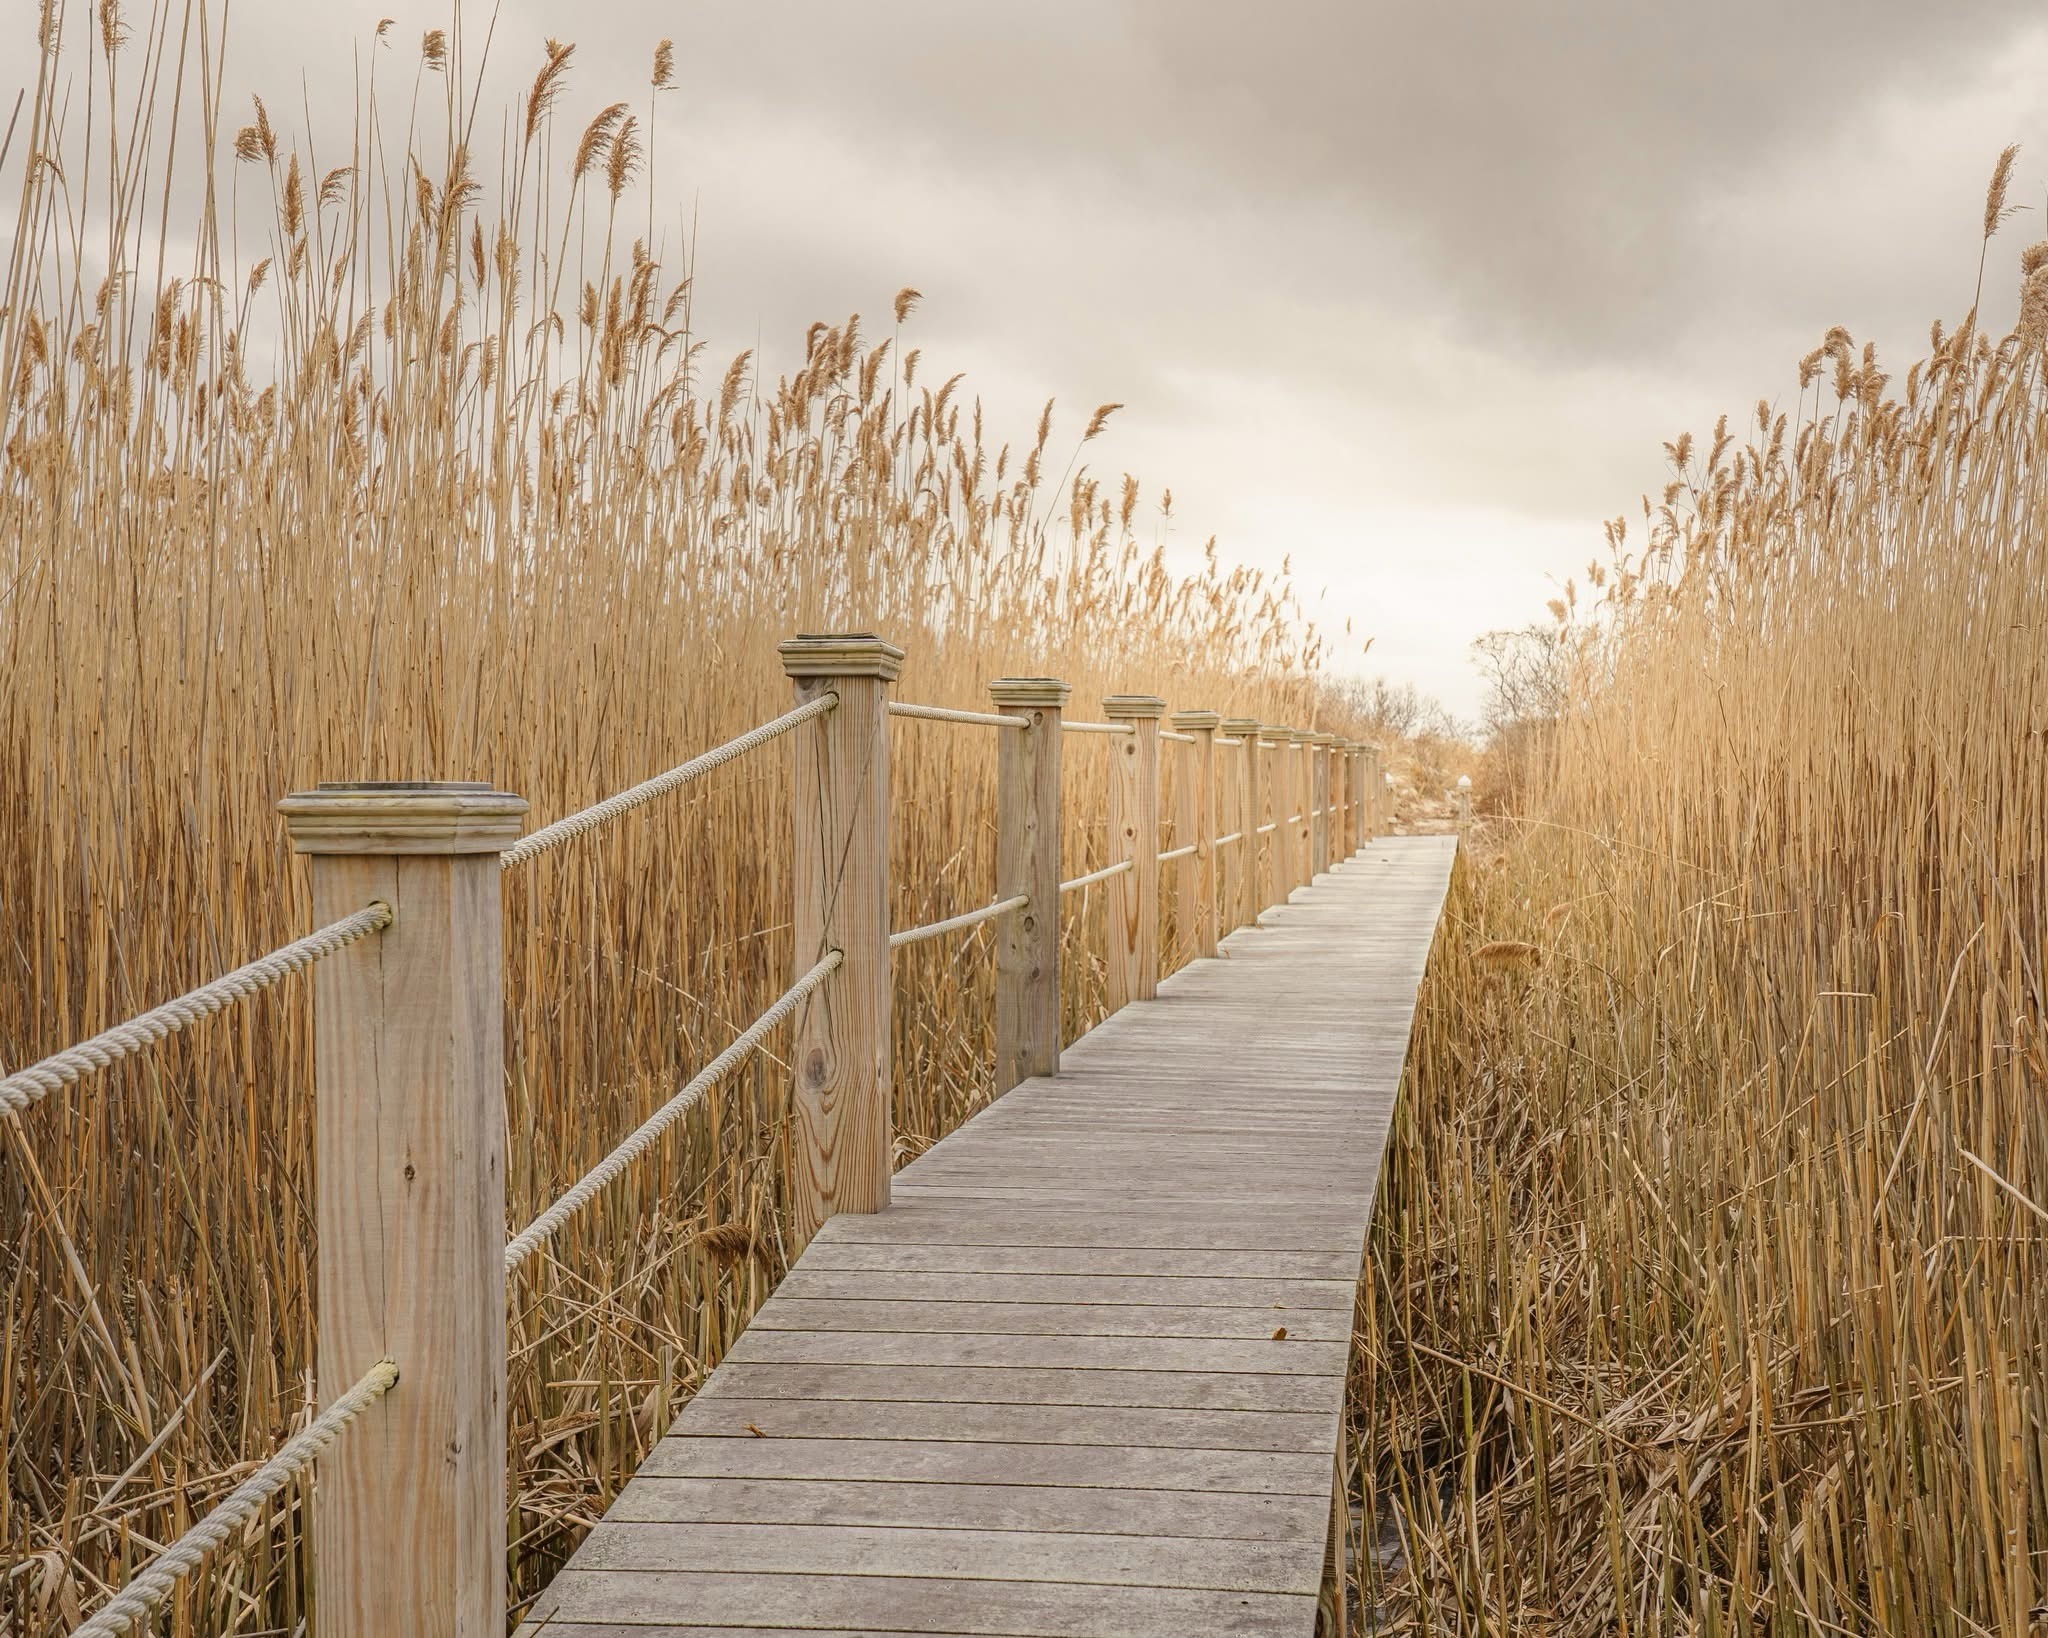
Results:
[1706, 1288]
[433, 485]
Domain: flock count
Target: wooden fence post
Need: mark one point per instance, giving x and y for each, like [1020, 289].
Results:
[1361, 823]
[1319, 795]
[1304, 796]
[843, 1139]
[1247, 730]
[1133, 900]
[409, 1142]
[1278, 782]
[1464, 801]
[1198, 809]
[1340, 801]
[1028, 862]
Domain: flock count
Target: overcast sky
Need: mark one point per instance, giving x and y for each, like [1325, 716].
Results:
[1412, 293]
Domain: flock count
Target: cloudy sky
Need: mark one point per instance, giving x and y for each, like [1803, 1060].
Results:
[1410, 293]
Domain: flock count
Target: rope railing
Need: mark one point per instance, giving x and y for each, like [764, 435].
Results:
[1096, 728]
[1187, 852]
[1225, 841]
[1176, 736]
[1101, 875]
[945, 713]
[599, 813]
[1266, 830]
[142, 1595]
[27, 1086]
[537, 1233]
[971, 918]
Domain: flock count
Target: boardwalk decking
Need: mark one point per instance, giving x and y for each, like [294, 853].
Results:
[1083, 1379]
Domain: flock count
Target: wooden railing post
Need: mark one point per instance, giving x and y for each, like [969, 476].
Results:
[1340, 800]
[1319, 794]
[842, 1140]
[409, 1146]
[1273, 882]
[1198, 815]
[1249, 818]
[1133, 899]
[1028, 862]
[1464, 801]
[1304, 801]
[1354, 791]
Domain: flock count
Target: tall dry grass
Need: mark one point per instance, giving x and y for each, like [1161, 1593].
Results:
[433, 482]
[1707, 1291]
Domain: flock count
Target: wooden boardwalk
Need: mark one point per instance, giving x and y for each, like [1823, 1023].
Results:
[1084, 1378]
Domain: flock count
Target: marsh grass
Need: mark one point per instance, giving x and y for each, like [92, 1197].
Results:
[434, 483]
[1706, 1289]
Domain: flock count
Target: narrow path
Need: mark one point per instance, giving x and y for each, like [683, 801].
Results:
[1084, 1378]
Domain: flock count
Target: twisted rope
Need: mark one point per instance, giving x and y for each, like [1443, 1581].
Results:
[1179, 853]
[1265, 830]
[61, 1069]
[536, 1234]
[1225, 841]
[1096, 728]
[972, 918]
[1180, 738]
[941, 713]
[598, 813]
[149, 1589]
[1101, 875]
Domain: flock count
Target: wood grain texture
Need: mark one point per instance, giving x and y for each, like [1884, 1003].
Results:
[1132, 902]
[1251, 814]
[409, 1524]
[1272, 752]
[1027, 1004]
[1043, 1393]
[1198, 901]
[842, 1135]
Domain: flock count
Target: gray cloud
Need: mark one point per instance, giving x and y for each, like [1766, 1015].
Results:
[1410, 293]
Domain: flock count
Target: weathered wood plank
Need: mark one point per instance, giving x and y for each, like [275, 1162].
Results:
[1019, 1385]
[1246, 1290]
[1106, 1510]
[1052, 1319]
[970, 1555]
[856, 1256]
[1291, 1358]
[731, 1417]
[681, 1601]
[1074, 1467]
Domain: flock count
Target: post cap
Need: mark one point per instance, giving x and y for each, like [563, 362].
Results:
[841, 654]
[1029, 691]
[1242, 727]
[403, 816]
[1390, 781]
[1321, 738]
[1301, 736]
[1143, 707]
[1464, 782]
[1188, 721]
